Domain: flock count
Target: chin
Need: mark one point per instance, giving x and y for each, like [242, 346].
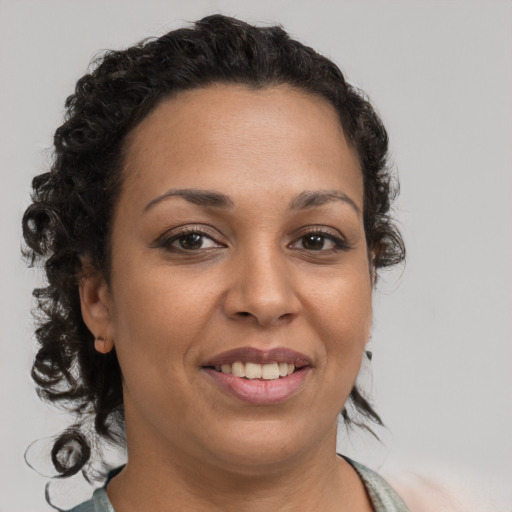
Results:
[267, 445]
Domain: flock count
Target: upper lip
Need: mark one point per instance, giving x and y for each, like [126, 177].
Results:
[256, 355]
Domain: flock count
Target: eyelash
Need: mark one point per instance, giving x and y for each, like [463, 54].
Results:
[167, 240]
[340, 244]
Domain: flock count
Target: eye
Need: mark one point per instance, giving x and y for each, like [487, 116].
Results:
[316, 242]
[320, 241]
[192, 241]
[187, 240]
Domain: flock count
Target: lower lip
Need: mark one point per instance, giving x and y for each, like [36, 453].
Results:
[259, 391]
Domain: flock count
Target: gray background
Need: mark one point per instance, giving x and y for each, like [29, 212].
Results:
[440, 74]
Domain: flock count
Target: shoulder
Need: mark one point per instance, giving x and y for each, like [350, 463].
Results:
[98, 503]
[382, 495]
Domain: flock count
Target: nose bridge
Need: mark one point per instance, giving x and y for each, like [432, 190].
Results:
[262, 286]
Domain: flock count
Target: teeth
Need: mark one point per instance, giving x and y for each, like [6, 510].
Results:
[238, 369]
[225, 368]
[253, 370]
[269, 371]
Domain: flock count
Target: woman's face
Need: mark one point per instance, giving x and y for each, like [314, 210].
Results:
[238, 238]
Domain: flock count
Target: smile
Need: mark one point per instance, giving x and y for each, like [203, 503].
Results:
[259, 377]
[268, 371]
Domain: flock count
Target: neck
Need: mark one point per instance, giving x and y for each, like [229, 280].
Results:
[315, 479]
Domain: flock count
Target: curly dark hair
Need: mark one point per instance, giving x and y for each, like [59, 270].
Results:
[70, 217]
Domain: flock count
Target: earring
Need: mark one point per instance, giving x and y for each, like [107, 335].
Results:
[369, 355]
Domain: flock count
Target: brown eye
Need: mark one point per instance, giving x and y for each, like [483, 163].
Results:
[187, 241]
[320, 241]
[190, 241]
[314, 242]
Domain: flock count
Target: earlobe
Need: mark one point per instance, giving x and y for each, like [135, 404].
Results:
[95, 304]
[103, 345]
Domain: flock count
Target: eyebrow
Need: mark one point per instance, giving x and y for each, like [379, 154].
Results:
[210, 198]
[207, 198]
[310, 199]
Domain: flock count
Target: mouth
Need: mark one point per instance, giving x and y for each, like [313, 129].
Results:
[251, 371]
[257, 376]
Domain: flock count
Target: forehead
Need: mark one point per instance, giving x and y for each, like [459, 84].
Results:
[224, 135]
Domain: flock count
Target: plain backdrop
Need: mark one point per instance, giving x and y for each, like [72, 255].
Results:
[440, 74]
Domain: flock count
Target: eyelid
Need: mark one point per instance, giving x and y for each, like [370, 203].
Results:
[168, 236]
[327, 232]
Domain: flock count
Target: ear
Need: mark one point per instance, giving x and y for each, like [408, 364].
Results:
[372, 267]
[96, 305]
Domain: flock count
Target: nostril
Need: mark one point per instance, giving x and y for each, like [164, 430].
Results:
[244, 313]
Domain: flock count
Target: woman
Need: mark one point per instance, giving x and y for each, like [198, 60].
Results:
[211, 229]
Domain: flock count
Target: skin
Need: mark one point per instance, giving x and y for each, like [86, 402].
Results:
[255, 279]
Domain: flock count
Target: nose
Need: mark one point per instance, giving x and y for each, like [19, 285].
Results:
[261, 289]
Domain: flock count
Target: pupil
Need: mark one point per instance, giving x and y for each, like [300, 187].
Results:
[314, 242]
[191, 241]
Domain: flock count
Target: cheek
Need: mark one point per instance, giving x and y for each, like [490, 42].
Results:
[159, 313]
[343, 315]
[345, 350]
[155, 324]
